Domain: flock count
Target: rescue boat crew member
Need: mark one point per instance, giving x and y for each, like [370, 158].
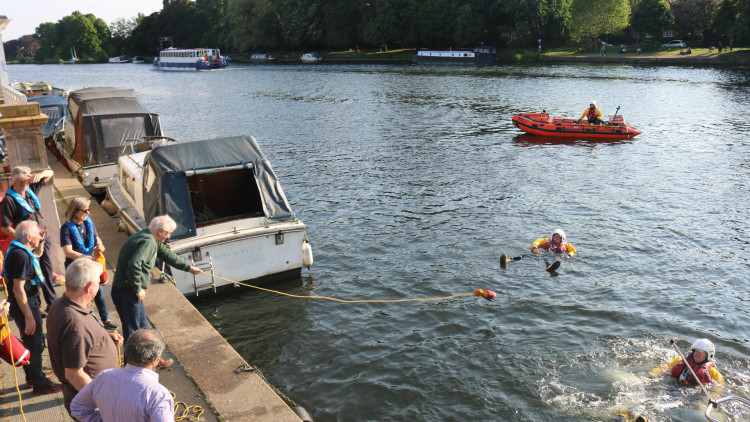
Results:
[701, 359]
[592, 114]
[556, 243]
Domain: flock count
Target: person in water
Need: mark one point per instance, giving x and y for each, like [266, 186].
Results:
[701, 360]
[557, 243]
[592, 114]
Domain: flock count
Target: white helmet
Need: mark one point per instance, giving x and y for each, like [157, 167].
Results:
[705, 345]
[561, 233]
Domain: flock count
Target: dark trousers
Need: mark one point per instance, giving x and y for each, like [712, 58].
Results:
[132, 312]
[45, 261]
[35, 342]
[101, 304]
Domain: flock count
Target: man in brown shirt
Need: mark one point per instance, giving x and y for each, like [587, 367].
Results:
[79, 347]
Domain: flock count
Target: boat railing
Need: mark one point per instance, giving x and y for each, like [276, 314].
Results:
[714, 404]
[206, 267]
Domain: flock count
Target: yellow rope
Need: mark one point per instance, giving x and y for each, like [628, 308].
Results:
[342, 300]
[197, 410]
[10, 344]
[120, 357]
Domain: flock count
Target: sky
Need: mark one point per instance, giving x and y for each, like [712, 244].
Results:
[26, 15]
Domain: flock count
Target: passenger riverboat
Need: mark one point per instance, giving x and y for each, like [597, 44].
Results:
[101, 124]
[233, 219]
[481, 54]
[189, 59]
[542, 124]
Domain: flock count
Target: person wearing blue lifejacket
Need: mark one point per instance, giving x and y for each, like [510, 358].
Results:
[21, 204]
[593, 114]
[79, 238]
[23, 276]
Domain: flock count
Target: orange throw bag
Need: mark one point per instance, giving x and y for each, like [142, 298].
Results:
[104, 278]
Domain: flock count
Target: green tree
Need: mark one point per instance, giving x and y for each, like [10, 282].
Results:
[389, 25]
[590, 19]
[740, 31]
[652, 17]
[723, 22]
[523, 22]
[22, 49]
[340, 21]
[256, 25]
[692, 17]
[121, 31]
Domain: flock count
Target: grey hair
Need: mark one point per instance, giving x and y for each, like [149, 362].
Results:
[19, 171]
[144, 346]
[24, 229]
[162, 222]
[81, 272]
[78, 203]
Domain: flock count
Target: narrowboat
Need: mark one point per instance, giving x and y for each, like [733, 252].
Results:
[481, 54]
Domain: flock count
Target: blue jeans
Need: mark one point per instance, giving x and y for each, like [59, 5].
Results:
[101, 304]
[132, 312]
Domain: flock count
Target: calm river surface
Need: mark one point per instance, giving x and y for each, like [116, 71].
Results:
[412, 181]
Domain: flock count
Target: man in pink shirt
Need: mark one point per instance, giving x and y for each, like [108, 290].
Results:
[132, 393]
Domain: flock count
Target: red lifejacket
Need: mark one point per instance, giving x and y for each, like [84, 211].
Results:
[559, 248]
[684, 376]
[592, 116]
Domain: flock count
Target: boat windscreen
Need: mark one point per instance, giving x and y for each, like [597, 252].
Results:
[223, 196]
[117, 131]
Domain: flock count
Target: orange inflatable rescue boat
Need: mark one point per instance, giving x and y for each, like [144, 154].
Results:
[542, 124]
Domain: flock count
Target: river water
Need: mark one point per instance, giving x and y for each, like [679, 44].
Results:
[413, 181]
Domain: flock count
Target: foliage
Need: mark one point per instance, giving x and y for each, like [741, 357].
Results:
[722, 21]
[22, 49]
[87, 34]
[652, 17]
[590, 19]
[692, 17]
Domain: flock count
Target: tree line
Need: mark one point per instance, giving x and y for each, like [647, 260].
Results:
[290, 25]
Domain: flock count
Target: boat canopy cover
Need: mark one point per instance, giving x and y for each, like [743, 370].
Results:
[54, 107]
[165, 186]
[103, 120]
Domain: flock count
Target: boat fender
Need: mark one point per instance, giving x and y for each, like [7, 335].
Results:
[10, 342]
[307, 254]
[302, 414]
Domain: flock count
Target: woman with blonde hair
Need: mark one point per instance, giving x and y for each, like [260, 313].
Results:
[79, 238]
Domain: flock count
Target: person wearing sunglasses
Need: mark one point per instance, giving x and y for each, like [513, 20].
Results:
[79, 238]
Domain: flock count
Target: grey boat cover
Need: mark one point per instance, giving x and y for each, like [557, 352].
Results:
[165, 188]
[108, 118]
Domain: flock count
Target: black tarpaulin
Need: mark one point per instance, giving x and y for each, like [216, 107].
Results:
[165, 187]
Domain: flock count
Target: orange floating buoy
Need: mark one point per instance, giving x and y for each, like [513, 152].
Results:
[487, 294]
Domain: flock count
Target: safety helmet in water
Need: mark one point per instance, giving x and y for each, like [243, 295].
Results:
[561, 233]
[705, 345]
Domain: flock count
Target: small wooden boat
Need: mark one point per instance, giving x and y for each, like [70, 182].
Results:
[542, 124]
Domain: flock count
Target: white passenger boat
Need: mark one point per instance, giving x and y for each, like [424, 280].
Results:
[189, 59]
[233, 219]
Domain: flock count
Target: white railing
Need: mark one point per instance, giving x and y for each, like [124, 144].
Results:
[11, 96]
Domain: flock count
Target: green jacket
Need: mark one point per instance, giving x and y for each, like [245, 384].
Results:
[137, 258]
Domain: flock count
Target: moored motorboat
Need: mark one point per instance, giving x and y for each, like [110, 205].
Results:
[101, 124]
[120, 59]
[311, 57]
[542, 124]
[233, 219]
